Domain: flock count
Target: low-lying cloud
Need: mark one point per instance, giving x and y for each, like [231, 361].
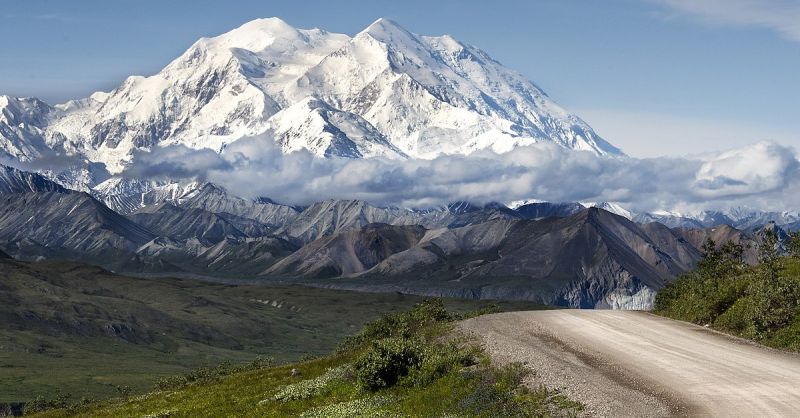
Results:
[764, 175]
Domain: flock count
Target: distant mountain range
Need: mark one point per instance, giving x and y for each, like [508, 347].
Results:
[562, 253]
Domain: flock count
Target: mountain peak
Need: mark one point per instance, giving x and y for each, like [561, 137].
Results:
[257, 34]
[384, 22]
[274, 25]
[387, 30]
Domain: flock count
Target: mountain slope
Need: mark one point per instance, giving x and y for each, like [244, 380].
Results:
[602, 259]
[13, 180]
[545, 209]
[738, 217]
[70, 225]
[215, 199]
[127, 195]
[170, 221]
[591, 259]
[385, 92]
[349, 252]
[453, 98]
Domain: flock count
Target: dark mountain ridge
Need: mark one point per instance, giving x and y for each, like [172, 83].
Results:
[551, 253]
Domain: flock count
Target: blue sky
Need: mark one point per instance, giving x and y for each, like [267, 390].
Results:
[655, 77]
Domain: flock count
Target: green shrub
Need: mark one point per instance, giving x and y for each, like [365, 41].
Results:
[402, 325]
[699, 299]
[500, 392]
[386, 361]
[776, 302]
[793, 246]
[438, 359]
[738, 318]
[484, 310]
[786, 337]
[61, 401]
[760, 302]
[40, 404]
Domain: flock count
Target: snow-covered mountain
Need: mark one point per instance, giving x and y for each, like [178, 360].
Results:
[22, 124]
[737, 217]
[383, 92]
[126, 195]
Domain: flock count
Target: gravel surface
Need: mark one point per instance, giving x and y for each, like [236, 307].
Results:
[634, 364]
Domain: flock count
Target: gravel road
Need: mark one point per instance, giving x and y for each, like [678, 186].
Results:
[634, 364]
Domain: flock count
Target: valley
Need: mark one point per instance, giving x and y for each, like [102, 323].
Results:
[75, 329]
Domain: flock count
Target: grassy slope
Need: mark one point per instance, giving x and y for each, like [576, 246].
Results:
[450, 390]
[744, 302]
[76, 329]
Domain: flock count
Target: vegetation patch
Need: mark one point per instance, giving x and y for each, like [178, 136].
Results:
[311, 387]
[405, 364]
[760, 302]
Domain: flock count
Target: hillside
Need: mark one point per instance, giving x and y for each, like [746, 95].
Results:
[65, 327]
[592, 258]
[399, 365]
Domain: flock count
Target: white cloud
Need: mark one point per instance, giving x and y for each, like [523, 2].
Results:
[781, 16]
[764, 175]
[749, 170]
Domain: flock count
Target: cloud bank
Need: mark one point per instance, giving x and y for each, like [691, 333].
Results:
[764, 175]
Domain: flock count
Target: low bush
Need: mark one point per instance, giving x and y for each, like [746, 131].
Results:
[386, 361]
[441, 358]
[760, 302]
[208, 374]
[403, 324]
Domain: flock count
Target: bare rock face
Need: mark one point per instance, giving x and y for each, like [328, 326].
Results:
[168, 220]
[592, 259]
[348, 252]
[722, 234]
[73, 222]
[13, 180]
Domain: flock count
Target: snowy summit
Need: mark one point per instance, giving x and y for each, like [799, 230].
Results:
[384, 92]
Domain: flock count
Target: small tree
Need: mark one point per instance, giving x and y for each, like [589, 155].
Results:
[794, 244]
[722, 262]
[709, 264]
[768, 254]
